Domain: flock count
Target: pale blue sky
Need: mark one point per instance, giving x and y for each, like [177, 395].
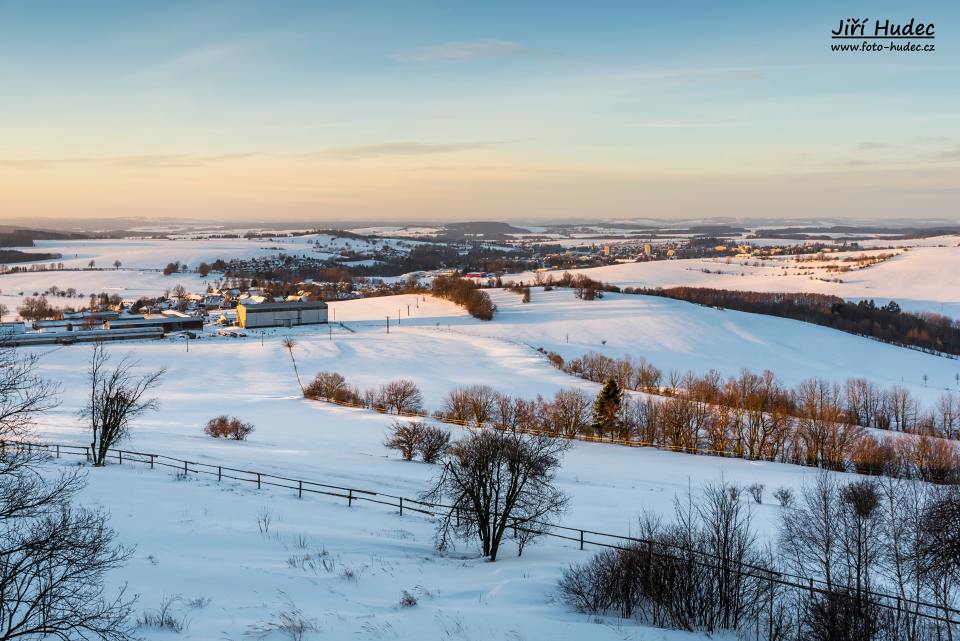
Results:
[452, 110]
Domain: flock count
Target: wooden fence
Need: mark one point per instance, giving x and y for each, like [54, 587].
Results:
[930, 613]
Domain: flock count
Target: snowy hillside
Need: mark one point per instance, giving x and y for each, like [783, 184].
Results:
[181, 528]
[233, 558]
[922, 279]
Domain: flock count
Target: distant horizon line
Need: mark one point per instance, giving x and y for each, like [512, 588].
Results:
[126, 222]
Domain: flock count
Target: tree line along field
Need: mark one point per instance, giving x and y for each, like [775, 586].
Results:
[751, 417]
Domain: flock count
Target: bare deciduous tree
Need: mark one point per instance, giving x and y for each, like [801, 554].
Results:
[22, 392]
[404, 437]
[402, 396]
[117, 396]
[53, 556]
[417, 438]
[53, 559]
[496, 483]
[433, 444]
[289, 343]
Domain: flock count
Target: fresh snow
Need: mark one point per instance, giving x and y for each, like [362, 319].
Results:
[922, 279]
[199, 540]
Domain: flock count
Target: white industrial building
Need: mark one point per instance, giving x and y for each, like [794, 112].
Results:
[286, 314]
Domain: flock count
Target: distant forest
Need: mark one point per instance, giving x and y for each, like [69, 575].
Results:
[10, 237]
[14, 256]
[887, 323]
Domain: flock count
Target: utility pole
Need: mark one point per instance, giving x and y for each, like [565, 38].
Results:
[388, 324]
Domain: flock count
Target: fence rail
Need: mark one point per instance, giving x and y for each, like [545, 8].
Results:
[931, 612]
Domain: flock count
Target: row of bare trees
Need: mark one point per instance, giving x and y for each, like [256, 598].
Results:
[697, 426]
[859, 561]
[693, 422]
[401, 397]
[463, 293]
[857, 401]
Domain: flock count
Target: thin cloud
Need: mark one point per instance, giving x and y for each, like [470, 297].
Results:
[681, 125]
[873, 146]
[141, 161]
[210, 55]
[187, 160]
[460, 51]
[947, 155]
[173, 161]
[359, 152]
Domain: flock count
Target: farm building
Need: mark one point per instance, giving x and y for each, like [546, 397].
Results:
[9, 329]
[285, 314]
[166, 323]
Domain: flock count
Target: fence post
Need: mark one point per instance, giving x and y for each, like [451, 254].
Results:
[401, 506]
[581, 539]
[185, 470]
[300, 489]
[349, 498]
[258, 480]
[219, 473]
[151, 461]
[58, 451]
[120, 452]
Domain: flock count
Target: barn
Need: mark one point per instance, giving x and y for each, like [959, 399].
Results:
[166, 323]
[286, 314]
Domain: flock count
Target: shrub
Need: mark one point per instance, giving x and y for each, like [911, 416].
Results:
[331, 386]
[407, 600]
[433, 443]
[401, 397]
[405, 437]
[756, 492]
[228, 427]
[784, 496]
[325, 386]
[164, 617]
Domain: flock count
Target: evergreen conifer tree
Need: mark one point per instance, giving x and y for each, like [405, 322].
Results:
[607, 406]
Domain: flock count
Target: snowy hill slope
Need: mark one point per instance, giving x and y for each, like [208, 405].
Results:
[203, 542]
[922, 279]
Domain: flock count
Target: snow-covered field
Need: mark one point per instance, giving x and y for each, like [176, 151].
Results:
[153, 253]
[201, 541]
[922, 279]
